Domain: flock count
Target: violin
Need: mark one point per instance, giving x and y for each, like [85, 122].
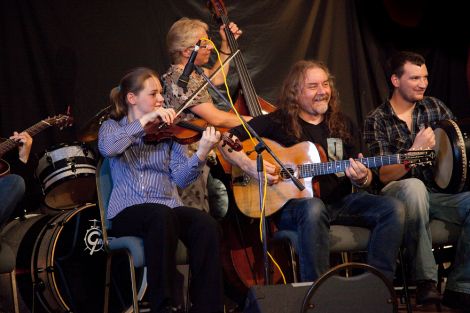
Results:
[184, 132]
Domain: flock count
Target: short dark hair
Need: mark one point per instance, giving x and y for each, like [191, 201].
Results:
[398, 60]
[395, 65]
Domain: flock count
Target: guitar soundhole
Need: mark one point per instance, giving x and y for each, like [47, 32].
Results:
[284, 175]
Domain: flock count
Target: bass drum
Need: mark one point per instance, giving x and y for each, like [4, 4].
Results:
[452, 155]
[67, 176]
[61, 264]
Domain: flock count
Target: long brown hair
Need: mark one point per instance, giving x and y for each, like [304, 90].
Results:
[290, 107]
[133, 82]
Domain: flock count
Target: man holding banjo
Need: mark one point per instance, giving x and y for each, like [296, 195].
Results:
[404, 123]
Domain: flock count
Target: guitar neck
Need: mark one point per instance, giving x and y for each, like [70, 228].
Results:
[316, 169]
[9, 144]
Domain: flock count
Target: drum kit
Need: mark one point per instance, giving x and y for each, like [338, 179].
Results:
[60, 263]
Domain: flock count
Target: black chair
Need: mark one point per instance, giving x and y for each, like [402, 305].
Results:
[366, 292]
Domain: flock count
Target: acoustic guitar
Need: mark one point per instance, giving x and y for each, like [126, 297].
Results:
[7, 145]
[304, 161]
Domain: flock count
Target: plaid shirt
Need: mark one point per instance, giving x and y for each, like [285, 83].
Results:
[385, 133]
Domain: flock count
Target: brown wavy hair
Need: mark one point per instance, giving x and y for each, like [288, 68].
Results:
[133, 81]
[290, 107]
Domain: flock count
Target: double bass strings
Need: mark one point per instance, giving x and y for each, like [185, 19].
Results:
[265, 182]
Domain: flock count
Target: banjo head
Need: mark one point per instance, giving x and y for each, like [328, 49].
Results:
[450, 170]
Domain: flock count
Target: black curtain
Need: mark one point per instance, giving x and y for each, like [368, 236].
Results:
[56, 53]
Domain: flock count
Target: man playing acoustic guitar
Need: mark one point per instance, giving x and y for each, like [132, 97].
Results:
[309, 111]
[402, 123]
[12, 186]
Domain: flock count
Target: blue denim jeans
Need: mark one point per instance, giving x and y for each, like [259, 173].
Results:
[417, 235]
[422, 205]
[12, 188]
[310, 218]
[455, 208]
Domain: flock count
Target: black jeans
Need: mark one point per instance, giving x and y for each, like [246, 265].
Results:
[160, 227]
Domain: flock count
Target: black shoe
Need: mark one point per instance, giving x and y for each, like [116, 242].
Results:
[426, 292]
[456, 300]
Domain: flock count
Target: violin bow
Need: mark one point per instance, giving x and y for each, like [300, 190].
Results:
[201, 87]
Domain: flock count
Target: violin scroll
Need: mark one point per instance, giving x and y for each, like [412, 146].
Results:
[235, 144]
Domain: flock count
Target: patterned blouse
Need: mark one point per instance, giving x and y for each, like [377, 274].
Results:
[175, 95]
[196, 194]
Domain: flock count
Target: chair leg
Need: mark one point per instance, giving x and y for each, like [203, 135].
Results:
[187, 305]
[346, 259]
[293, 261]
[14, 293]
[135, 300]
[107, 283]
[405, 284]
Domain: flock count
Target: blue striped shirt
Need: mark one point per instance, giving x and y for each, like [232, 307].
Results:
[144, 173]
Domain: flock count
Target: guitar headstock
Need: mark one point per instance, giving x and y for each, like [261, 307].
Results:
[60, 120]
[414, 158]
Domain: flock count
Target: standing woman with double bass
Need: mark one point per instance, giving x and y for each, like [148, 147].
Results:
[181, 40]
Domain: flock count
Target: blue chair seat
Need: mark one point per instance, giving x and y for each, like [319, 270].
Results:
[135, 245]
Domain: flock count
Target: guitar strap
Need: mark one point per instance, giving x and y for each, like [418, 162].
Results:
[335, 151]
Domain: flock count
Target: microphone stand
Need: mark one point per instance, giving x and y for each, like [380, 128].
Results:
[259, 148]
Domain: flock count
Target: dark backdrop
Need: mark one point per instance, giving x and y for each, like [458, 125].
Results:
[55, 53]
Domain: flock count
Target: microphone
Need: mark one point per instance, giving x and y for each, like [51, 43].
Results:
[189, 68]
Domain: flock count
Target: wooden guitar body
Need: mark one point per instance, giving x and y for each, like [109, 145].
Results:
[246, 189]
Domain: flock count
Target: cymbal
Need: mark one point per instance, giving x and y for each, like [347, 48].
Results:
[90, 131]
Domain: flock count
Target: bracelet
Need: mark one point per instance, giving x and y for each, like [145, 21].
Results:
[361, 185]
[223, 52]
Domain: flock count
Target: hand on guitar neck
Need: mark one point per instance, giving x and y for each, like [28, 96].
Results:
[25, 141]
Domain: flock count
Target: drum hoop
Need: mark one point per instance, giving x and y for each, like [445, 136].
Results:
[37, 244]
[65, 172]
[65, 144]
[60, 220]
[65, 220]
[461, 145]
[50, 168]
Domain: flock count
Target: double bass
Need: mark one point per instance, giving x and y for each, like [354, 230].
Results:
[242, 252]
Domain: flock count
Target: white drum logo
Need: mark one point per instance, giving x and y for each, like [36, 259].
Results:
[94, 238]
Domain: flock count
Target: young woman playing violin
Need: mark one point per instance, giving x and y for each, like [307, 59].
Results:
[144, 201]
